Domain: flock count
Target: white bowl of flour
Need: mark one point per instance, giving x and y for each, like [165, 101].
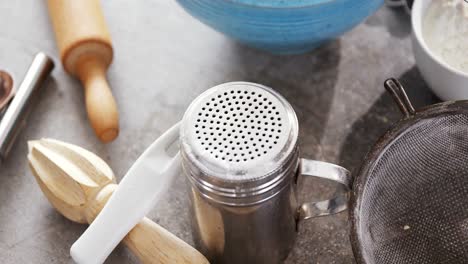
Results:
[440, 45]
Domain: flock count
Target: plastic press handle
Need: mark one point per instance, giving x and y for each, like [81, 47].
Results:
[136, 194]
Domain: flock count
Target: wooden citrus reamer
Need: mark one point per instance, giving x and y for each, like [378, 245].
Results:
[86, 52]
[78, 184]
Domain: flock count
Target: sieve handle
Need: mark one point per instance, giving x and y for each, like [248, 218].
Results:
[397, 91]
[330, 172]
[407, 4]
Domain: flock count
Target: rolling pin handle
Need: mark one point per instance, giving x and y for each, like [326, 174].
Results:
[100, 103]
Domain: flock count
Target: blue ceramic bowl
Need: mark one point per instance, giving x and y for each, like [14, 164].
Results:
[281, 26]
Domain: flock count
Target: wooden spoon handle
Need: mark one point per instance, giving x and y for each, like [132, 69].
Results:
[153, 244]
[100, 104]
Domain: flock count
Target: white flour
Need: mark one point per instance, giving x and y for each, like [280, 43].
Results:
[445, 31]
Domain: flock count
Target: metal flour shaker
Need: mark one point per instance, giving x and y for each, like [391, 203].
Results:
[239, 150]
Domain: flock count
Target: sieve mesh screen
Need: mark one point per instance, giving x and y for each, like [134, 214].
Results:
[414, 205]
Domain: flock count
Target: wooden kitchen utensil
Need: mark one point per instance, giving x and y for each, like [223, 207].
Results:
[78, 184]
[7, 89]
[86, 52]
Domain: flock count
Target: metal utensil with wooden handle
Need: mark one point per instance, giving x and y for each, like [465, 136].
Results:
[78, 184]
[86, 52]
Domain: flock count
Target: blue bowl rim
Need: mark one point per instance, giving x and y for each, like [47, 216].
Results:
[289, 5]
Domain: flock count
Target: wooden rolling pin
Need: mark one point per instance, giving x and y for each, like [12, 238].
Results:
[86, 52]
[78, 184]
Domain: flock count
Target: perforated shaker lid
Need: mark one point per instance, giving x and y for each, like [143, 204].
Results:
[239, 132]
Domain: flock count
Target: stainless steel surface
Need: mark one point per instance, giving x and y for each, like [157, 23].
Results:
[331, 172]
[239, 153]
[395, 89]
[259, 233]
[15, 116]
[236, 140]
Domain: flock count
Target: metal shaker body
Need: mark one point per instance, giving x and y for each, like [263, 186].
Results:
[240, 155]
[261, 233]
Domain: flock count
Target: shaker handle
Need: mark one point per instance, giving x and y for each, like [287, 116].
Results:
[330, 172]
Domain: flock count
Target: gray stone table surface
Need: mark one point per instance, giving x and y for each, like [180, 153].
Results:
[163, 59]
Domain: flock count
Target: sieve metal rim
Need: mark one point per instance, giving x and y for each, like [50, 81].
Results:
[397, 129]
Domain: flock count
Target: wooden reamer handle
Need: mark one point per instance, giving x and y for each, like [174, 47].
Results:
[150, 242]
[153, 244]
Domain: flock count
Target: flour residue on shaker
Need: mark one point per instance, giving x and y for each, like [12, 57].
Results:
[445, 31]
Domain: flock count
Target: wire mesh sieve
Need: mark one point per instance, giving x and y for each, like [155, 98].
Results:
[410, 200]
